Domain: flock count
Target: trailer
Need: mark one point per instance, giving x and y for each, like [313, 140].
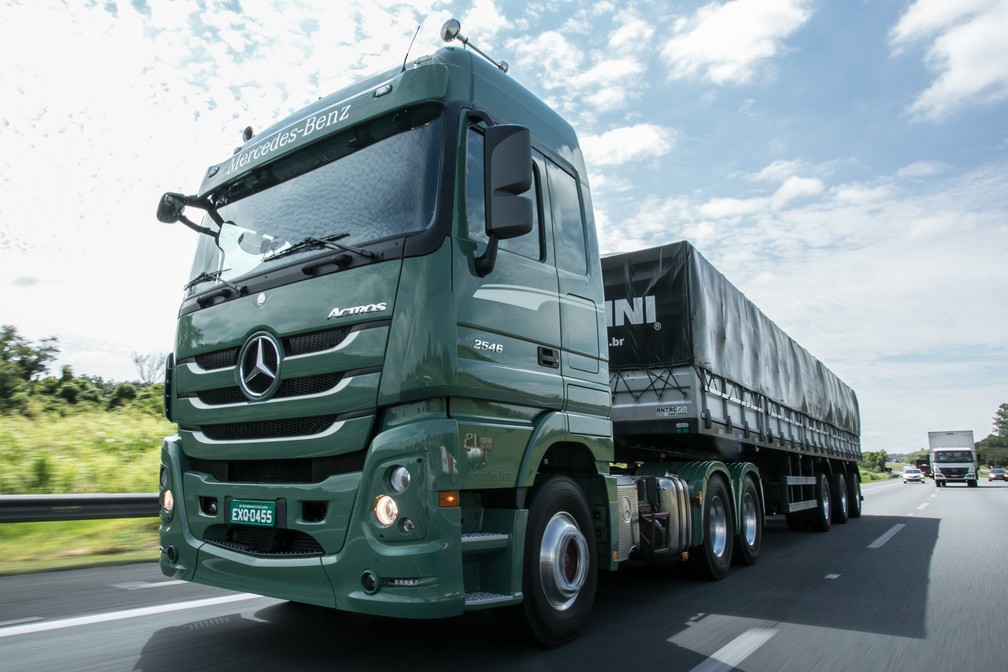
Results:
[699, 372]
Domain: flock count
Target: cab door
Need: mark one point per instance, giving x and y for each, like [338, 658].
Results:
[509, 332]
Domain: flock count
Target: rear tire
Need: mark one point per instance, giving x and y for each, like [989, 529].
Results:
[560, 568]
[712, 559]
[841, 500]
[821, 515]
[854, 495]
[750, 535]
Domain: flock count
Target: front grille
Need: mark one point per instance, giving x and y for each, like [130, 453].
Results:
[268, 429]
[316, 341]
[301, 344]
[294, 387]
[218, 360]
[297, 470]
[265, 541]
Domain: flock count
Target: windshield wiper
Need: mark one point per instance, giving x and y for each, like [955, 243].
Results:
[213, 275]
[207, 299]
[309, 243]
[327, 242]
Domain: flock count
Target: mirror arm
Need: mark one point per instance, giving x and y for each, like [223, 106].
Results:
[486, 262]
[196, 227]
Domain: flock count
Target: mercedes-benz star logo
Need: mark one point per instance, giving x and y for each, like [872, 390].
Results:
[259, 366]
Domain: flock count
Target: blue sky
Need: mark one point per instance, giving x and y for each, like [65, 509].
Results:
[845, 164]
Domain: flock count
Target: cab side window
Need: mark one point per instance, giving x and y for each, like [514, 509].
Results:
[568, 224]
[529, 245]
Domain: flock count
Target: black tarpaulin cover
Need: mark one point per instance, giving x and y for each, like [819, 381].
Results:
[669, 306]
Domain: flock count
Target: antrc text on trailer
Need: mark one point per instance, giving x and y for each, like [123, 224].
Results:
[406, 384]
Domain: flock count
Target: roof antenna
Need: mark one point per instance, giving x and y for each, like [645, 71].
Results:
[450, 31]
[406, 58]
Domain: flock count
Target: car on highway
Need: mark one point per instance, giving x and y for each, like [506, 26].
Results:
[997, 475]
[913, 476]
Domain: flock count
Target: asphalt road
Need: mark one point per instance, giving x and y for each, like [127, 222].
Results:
[918, 583]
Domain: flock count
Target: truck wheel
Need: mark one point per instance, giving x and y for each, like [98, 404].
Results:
[971, 484]
[840, 499]
[821, 516]
[712, 559]
[854, 496]
[560, 566]
[750, 535]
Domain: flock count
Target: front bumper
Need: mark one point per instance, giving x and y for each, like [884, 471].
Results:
[358, 565]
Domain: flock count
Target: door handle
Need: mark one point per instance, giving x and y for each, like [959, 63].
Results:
[549, 357]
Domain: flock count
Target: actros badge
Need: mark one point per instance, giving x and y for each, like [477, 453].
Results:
[259, 366]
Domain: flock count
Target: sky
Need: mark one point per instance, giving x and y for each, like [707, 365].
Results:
[844, 164]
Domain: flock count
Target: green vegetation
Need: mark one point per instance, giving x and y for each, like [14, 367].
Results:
[993, 450]
[74, 434]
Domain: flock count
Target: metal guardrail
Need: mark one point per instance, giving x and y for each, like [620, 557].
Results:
[43, 508]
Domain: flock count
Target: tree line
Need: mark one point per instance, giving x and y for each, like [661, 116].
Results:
[25, 388]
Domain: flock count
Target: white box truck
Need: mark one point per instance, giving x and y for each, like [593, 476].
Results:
[953, 457]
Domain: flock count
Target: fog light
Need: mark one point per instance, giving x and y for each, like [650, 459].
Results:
[386, 510]
[406, 525]
[369, 582]
[167, 501]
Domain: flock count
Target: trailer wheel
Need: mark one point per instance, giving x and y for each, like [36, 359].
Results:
[821, 515]
[560, 566]
[841, 500]
[854, 496]
[750, 535]
[712, 559]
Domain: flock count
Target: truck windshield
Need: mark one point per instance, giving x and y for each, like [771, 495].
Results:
[372, 182]
[953, 456]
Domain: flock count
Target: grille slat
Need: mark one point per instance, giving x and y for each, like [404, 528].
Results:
[294, 387]
[269, 429]
[268, 542]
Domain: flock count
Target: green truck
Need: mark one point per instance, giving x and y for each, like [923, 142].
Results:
[405, 383]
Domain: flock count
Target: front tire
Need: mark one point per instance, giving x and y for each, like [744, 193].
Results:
[560, 565]
[712, 559]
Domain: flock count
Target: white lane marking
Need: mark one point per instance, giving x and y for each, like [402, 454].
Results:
[140, 585]
[122, 615]
[20, 620]
[735, 651]
[878, 543]
[922, 506]
[832, 576]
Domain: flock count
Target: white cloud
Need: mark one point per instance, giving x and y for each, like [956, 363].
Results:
[966, 49]
[778, 171]
[726, 42]
[720, 208]
[923, 169]
[795, 188]
[628, 144]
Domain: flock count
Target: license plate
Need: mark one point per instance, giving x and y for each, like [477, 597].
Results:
[246, 512]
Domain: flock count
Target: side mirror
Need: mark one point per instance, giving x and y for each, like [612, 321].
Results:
[170, 207]
[507, 155]
[507, 161]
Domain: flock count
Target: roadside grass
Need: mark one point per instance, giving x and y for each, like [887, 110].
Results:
[77, 453]
[39, 547]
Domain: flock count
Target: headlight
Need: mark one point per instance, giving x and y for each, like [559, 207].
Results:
[386, 511]
[399, 479]
[167, 501]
